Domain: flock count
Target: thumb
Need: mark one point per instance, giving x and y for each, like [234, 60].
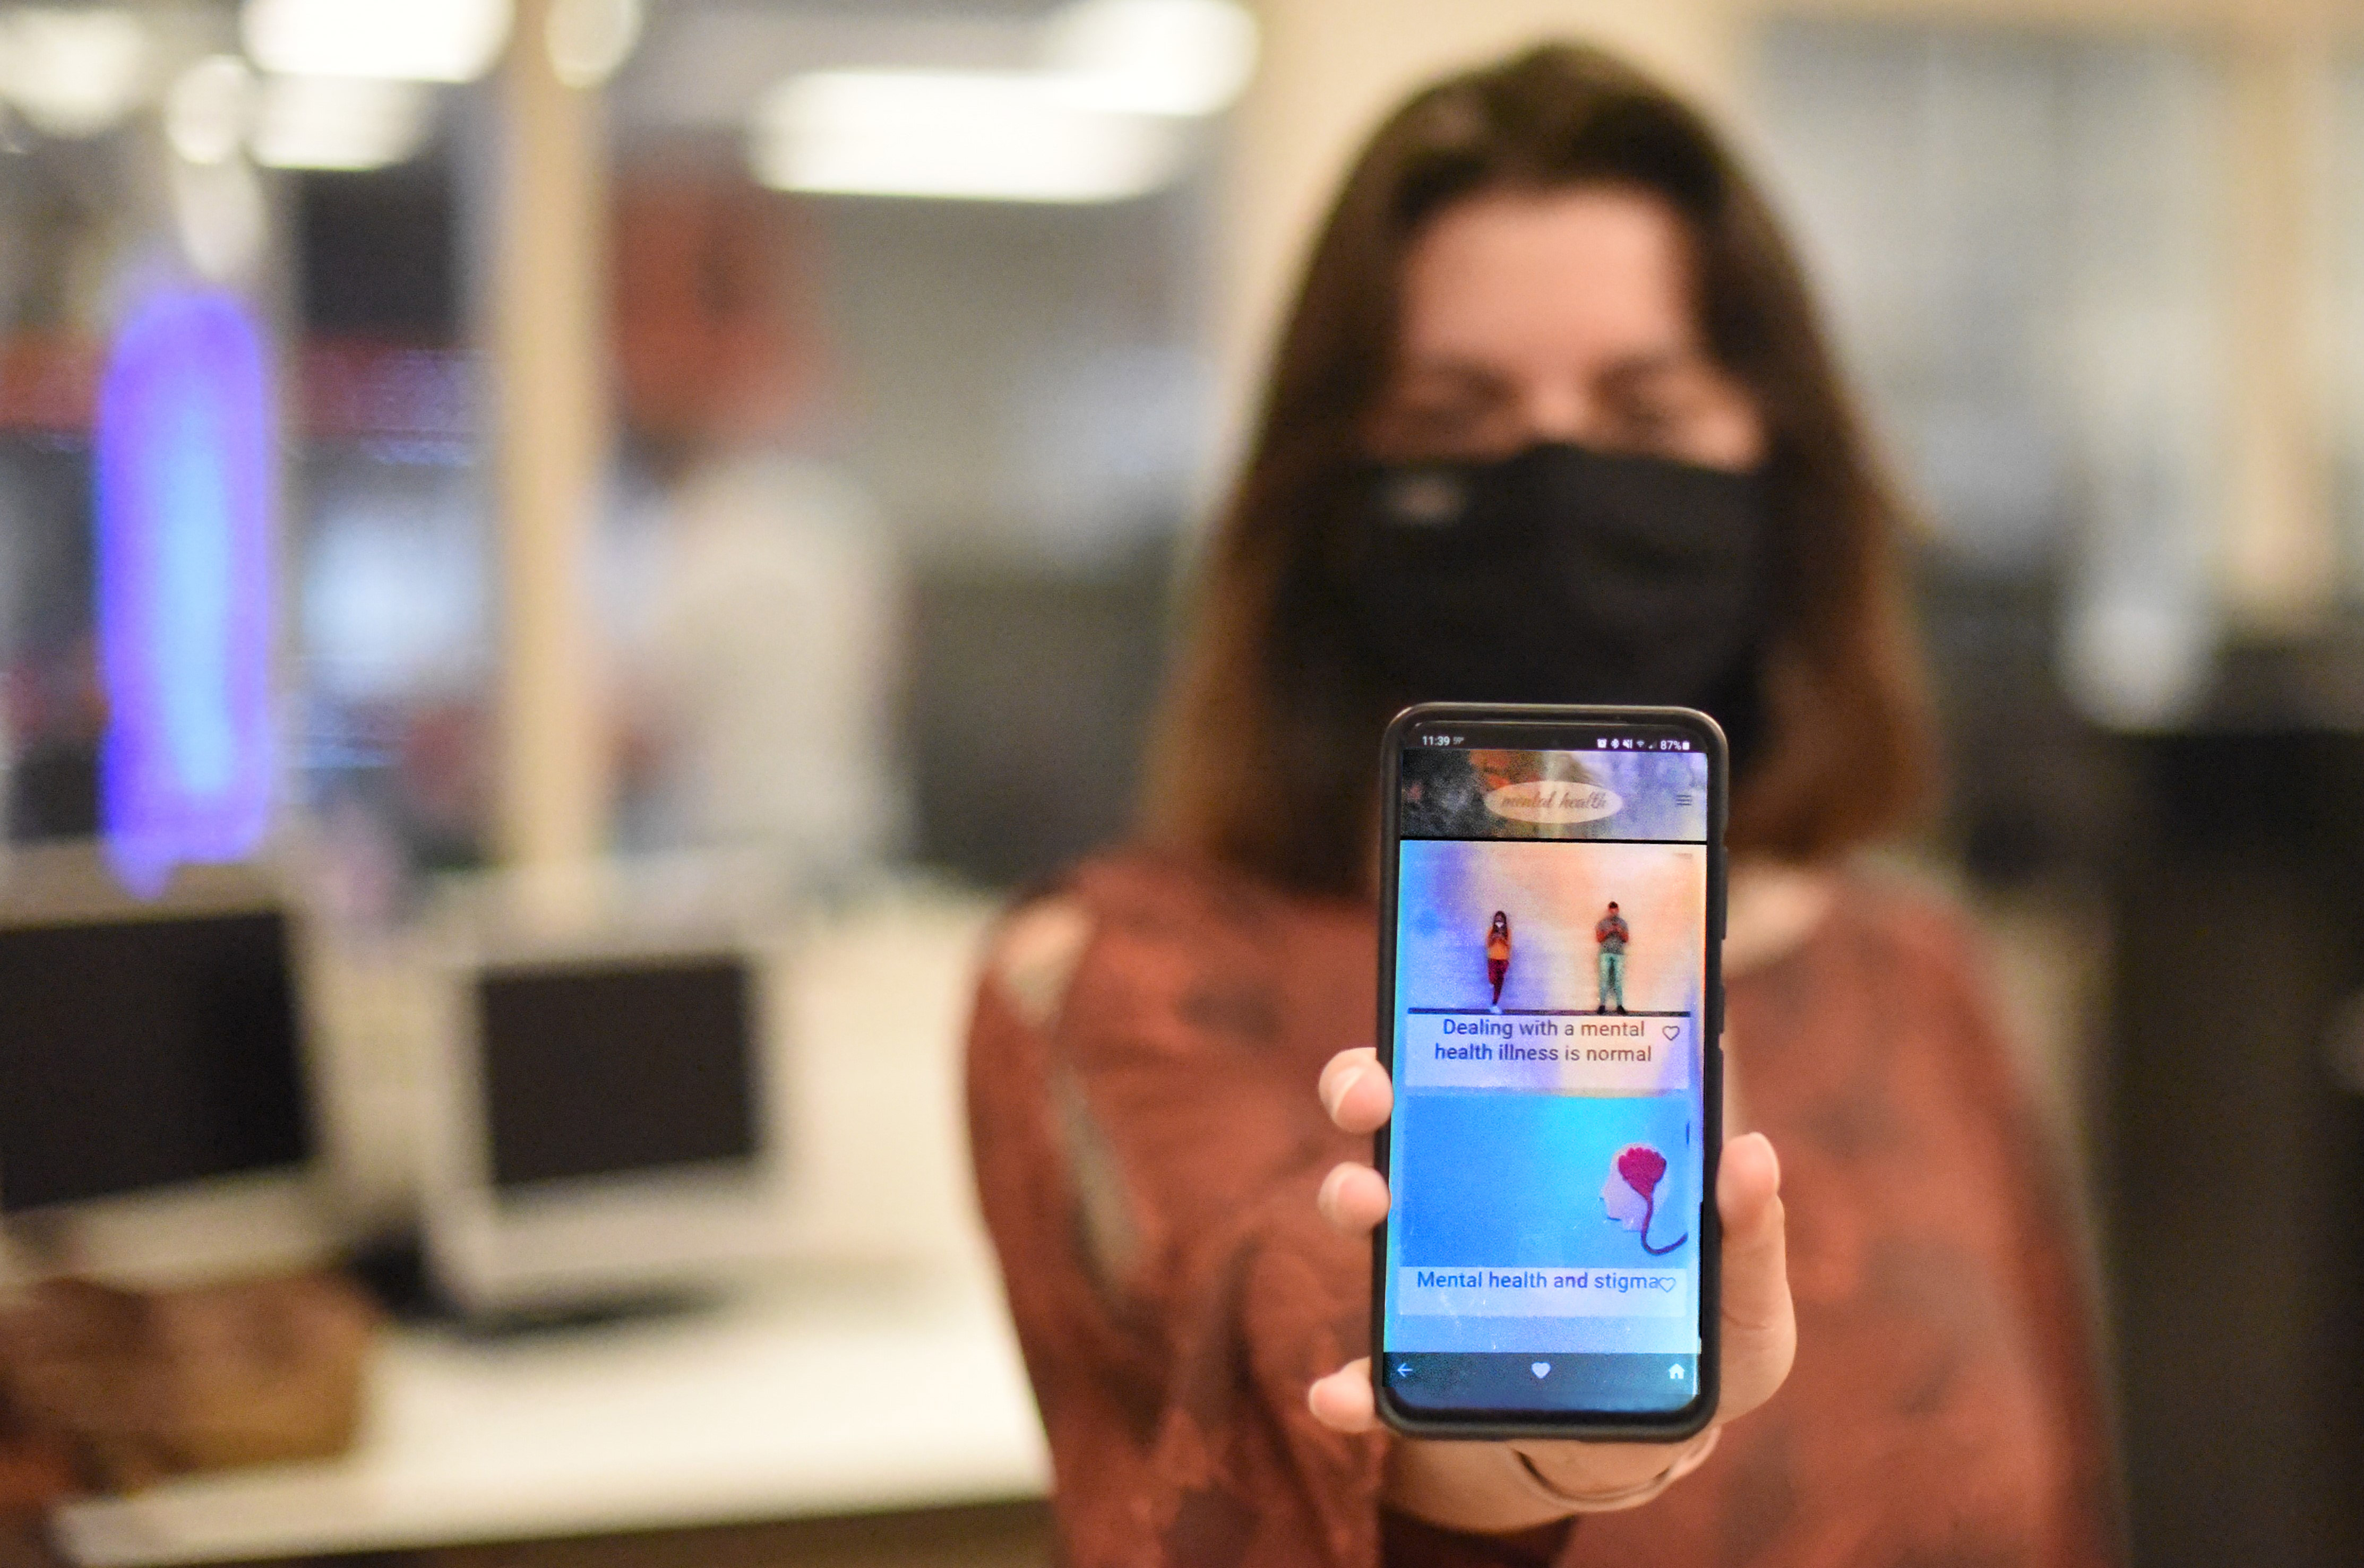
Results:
[1760, 1326]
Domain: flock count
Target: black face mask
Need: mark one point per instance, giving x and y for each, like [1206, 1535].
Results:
[1563, 575]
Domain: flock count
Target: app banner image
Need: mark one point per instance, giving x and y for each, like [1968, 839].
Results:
[1458, 793]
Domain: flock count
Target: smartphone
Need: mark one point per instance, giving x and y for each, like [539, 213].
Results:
[1551, 1003]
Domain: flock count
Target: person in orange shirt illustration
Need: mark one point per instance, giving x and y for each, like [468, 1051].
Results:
[1498, 955]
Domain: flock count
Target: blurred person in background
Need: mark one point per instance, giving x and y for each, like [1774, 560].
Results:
[57, 725]
[754, 594]
[1547, 282]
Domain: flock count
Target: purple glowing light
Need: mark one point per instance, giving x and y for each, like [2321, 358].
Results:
[186, 593]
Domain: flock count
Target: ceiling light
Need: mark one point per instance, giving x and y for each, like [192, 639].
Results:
[972, 134]
[72, 74]
[589, 38]
[207, 110]
[1152, 57]
[406, 40]
[329, 122]
[1103, 114]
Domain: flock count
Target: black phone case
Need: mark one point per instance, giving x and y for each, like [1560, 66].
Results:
[1605, 1425]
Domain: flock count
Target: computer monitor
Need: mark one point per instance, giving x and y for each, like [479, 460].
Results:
[618, 1068]
[156, 1113]
[612, 1122]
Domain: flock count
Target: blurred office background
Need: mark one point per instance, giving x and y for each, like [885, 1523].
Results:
[769, 430]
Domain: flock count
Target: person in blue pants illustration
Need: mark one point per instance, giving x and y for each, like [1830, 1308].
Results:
[1612, 935]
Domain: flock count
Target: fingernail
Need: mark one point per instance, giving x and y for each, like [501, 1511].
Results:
[1339, 1089]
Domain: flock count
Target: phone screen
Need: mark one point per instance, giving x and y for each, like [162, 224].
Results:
[1554, 998]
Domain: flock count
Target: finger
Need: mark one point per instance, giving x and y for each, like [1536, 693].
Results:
[1356, 1091]
[1341, 1401]
[1760, 1328]
[1354, 1197]
[1582, 1469]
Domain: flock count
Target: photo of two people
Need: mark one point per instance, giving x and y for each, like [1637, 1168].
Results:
[1517, 925]
[1611, 933]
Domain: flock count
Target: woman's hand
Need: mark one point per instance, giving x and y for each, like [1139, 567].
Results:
[1485, 1486]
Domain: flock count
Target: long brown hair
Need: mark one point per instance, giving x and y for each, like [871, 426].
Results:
[1267, 753]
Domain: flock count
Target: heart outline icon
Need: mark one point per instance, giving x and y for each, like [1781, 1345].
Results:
[1539, 1368]
[1670, 1031]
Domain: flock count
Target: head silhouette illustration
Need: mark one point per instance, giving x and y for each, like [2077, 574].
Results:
[1631, 1193]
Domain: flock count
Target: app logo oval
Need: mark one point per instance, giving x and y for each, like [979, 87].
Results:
[1554, 801]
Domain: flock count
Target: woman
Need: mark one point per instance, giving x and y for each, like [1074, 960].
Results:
[1498, 955]
[1552, 392]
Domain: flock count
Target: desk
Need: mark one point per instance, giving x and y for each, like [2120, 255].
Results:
[878, 1375]
[794, 1399]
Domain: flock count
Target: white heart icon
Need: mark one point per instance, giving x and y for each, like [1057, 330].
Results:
[1539, 1368]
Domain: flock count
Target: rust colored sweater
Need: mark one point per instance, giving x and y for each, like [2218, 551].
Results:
[1148, 1145]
